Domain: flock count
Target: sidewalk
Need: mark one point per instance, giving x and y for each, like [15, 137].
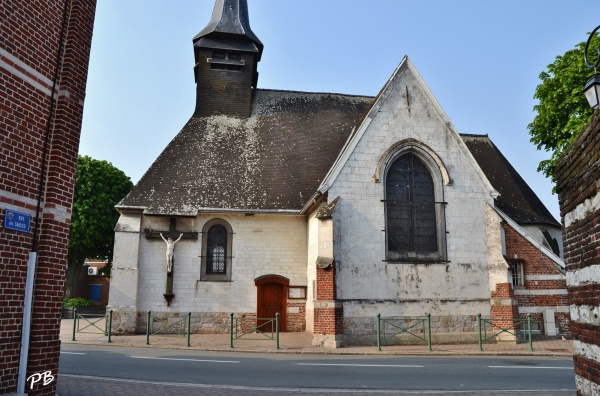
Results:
[301, 343]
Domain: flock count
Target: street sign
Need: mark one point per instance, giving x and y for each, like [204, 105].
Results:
[17, 221]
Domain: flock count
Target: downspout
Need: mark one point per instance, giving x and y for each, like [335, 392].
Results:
[32, 261]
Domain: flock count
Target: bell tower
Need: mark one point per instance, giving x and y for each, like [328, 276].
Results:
[227, 53]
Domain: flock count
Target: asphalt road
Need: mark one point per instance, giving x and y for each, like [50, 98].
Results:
[214, 372]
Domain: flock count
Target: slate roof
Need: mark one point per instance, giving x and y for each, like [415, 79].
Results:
[516, 198]
[273, 160]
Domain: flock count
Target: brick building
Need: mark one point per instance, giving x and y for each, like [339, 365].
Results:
[578, 186]
[329, 209]
[91, 284]
[44, 55]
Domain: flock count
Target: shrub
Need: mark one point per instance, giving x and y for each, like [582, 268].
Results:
[78, 302]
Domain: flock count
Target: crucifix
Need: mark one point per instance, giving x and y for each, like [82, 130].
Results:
[170, 237]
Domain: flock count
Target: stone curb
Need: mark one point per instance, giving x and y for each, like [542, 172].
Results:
[315, 351]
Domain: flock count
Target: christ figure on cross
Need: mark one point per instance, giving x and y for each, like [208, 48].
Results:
[170, 254]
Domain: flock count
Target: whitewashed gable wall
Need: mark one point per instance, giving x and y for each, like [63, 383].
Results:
[368, 285]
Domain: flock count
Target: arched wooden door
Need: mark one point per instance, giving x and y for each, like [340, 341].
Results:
[271, 299]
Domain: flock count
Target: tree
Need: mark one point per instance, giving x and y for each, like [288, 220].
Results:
[562, 111]
[99, 186]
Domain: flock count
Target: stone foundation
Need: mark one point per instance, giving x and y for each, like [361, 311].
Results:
[123, 320]
[328, 340]
[201, 322]
[449, 329]
[130, 321]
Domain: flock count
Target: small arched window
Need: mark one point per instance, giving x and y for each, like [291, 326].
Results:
[216, 255]
[216, 251]
[414, 211]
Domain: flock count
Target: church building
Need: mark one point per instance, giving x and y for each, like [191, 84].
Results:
[329, 209]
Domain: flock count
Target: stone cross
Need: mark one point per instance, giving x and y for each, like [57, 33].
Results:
[174, 235]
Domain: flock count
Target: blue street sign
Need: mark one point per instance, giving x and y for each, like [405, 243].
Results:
[17, 221]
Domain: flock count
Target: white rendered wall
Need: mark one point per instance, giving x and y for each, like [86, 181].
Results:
[262, 245]
[365, 282]
[555, 232]
[124, 273]
[311, 269]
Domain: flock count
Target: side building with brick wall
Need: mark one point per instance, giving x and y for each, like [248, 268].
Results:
[44, 55]
[578, 186]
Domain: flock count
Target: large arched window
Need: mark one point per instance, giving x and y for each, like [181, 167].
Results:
[216, 251]
[415, 224]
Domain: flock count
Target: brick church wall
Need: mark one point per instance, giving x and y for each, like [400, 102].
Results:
[28, 53]
[578, 185]
[545, 288]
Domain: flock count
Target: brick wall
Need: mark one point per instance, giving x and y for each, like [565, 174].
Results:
[296, 315]
[578, 186]
[28, 53]
[328, 319]
[84, 282]
[504, 309]
[545, 288]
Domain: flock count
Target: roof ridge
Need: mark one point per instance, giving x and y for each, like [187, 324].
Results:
[314, 93]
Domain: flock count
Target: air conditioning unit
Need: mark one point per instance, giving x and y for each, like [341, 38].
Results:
[92, 271]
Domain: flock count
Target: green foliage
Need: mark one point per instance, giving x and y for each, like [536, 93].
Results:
[99, 186]
[78, 302]
[562, 111]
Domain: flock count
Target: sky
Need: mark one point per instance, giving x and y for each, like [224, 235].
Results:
[481, 59]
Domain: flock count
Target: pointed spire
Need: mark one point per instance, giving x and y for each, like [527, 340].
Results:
[229, 27]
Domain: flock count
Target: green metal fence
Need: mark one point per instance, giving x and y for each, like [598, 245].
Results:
[265, 329]
[391, 327]
[90, 324]
[491, 329]
[168, 326]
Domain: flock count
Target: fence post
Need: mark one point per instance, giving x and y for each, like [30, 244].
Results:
[74, 322]
[148, 329]
[231, 330]
[277, 328]
[429, 331]
[479, 331]
[110, 313]
[379, 331]
[529, 331]
[189, 326]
